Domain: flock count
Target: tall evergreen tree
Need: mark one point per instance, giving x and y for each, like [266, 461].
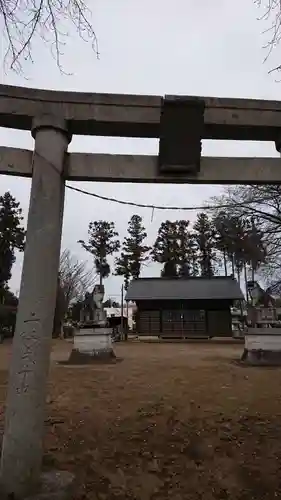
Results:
[122, 268]
[102, 243]
[187, 258]
[12, 235]
[175, 247]
[165, 248]
[134, 251]
[204, 234]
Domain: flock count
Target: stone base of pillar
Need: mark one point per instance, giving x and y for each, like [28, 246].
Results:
[261, 357]
[92, 345]
[262, 347]
[54, 485]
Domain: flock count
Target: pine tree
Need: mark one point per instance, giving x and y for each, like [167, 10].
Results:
[12, 235]
[102, 242]
[122, 268]
[187, 259]
[165, 248]
[134, 252]
[175, 247]
[204, 234]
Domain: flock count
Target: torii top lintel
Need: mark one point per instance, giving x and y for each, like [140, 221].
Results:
[137, 115]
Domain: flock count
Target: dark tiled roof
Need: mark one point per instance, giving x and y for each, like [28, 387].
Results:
[186, 289]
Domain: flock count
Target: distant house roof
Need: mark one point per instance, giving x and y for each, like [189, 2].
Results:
[116, 311]
[184, 289]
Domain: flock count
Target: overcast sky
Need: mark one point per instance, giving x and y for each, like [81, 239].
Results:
[192, 47]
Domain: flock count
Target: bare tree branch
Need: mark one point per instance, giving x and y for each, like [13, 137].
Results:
[75, 278]
[271, 14]
[262, 203]
[23, 21]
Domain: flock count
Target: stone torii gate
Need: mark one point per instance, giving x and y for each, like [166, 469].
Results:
[53, 117]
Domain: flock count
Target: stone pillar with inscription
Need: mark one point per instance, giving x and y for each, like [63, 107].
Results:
[25, 411]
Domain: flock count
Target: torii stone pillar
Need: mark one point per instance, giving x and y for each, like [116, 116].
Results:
[25, 412]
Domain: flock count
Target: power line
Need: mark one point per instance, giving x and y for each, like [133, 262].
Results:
[161, 207]
[135, 204]
[151, 206]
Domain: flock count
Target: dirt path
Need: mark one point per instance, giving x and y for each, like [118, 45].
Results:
[171, 421]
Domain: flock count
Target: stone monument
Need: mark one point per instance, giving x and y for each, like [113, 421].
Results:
[262, 347]
[263, 336]
[93, 338]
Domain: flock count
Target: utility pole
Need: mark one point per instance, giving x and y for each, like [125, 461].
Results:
[122, 312]
[127, 310]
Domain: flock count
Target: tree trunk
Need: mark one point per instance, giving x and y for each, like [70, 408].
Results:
[238, 275]
[253, 273]
[233, 265]
[246, 282]
[225, 263]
